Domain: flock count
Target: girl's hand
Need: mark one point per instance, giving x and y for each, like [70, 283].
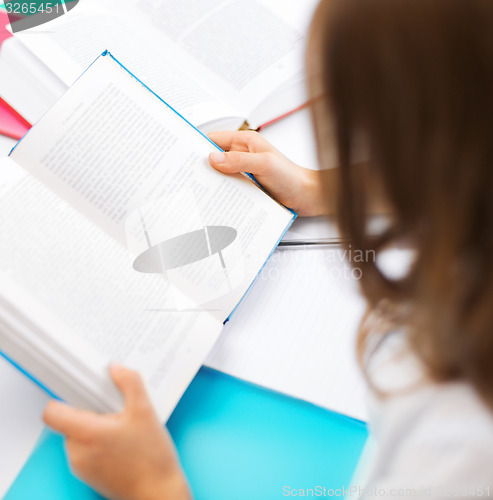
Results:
[126, 456]
[295, 187]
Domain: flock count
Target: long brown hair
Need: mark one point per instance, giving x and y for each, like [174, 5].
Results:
[412, 80]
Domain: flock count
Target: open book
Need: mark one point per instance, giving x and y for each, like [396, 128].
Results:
[218, 62]
[120, 243]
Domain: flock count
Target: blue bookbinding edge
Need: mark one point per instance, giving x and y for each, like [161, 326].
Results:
[29, 376]
[108, 53]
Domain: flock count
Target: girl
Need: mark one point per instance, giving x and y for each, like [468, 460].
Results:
[409, 82]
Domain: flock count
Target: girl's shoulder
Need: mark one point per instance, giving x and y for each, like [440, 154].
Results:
[427, 434]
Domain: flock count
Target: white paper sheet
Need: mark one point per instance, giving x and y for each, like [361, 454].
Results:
[295, 331]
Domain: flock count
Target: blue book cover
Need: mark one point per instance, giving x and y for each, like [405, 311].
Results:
[259, 444]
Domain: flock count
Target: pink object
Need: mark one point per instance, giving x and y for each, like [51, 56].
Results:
[12, 124]
[285, 115]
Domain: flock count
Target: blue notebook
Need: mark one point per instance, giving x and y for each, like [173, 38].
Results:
[120, 195]
[235, 440]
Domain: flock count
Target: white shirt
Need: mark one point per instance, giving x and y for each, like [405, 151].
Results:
[430, 440]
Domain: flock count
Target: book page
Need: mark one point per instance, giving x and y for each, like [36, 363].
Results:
[141, 173]
[74, 41]
[245, 49]
[89, 307]
[210, 60]
[296, 331]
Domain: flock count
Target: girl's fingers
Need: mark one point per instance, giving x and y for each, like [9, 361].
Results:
[245, 140]
[69, 421]
[236, 161]
[132, 387]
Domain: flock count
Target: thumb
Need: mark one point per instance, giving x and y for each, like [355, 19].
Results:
[132, 387]
[234, 162]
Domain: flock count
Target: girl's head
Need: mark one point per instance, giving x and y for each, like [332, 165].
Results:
[410, 82]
